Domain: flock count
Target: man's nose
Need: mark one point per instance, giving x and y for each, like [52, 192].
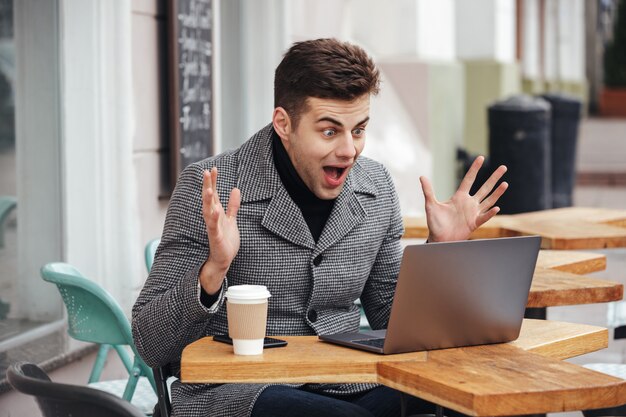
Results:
[345, 148]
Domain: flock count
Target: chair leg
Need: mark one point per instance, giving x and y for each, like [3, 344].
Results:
[148, 373]
[125, 357]
[1, 234]
[98, 365]
[129, 391]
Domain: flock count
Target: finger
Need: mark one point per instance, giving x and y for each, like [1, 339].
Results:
[214, 184]
[493, 198]
[206, 178]
[427, 189]
[470, 177]
[233, 203]
[214, 216]
[207, 198]
[208, 203]
[211, 215]
[490, 183]
[215, 231]
[485, 217]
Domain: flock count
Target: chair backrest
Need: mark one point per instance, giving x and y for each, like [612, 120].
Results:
[7, 203]
[93, 314]
[60, 400]
[149, 252]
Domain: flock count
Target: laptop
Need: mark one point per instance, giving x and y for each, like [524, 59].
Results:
[454, 294]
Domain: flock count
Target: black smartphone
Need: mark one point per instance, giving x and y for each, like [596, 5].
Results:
[268, 342]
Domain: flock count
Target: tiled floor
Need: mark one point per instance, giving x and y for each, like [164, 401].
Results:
[602, 145]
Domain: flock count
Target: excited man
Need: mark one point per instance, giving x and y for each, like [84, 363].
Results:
[307, 217]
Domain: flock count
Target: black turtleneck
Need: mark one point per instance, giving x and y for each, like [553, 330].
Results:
[314, 210]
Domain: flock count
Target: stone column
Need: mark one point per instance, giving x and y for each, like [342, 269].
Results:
[415, 48]
[486, 46]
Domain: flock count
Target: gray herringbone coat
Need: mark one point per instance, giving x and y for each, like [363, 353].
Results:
[357, 255]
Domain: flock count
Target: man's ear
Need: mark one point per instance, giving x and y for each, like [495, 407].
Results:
[282, 123]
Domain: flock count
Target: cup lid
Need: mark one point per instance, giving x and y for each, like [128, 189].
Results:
[247, 292]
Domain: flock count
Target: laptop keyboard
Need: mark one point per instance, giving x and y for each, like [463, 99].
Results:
[378, 343]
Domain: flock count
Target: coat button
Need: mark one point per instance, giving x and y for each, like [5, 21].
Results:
[312, 316]
[318, 260]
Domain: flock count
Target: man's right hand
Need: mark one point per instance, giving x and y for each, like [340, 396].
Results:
[222, 232]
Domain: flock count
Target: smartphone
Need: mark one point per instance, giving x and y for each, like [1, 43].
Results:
[268, 342]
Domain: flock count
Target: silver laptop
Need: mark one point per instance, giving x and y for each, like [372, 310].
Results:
[455, 294]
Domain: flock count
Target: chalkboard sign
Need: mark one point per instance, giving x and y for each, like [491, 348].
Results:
[190, 38]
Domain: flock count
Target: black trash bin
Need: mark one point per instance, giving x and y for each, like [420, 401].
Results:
[519, 137]
[566, 111]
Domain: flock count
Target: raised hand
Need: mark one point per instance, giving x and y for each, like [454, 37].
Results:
[458, 217]
[222, 232]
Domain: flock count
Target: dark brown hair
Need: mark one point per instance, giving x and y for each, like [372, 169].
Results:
[322, 68]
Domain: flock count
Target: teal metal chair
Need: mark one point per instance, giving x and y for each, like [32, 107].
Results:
[149, 252]
[363, 324]
[7, 203]
[95, 316]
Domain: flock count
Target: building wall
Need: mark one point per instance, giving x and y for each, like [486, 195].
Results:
[150, 151]
[414, 45]
[427, 33]
[560, 36]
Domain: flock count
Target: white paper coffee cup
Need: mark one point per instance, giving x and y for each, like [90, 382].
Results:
[246, 310]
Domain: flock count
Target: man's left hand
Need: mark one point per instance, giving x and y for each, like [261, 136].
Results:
[458, 217]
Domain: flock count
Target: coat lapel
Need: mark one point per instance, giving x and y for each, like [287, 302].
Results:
[347, 211]
[284, 218]
[259, 180]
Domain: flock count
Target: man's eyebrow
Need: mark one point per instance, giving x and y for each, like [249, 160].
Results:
[362, 122]
[329, 119]
[338, 123]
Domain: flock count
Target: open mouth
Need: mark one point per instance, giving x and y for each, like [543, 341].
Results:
[334, 172]
[335, 175]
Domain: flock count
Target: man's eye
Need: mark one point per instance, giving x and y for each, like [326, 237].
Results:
[328, 132]
[358, 131]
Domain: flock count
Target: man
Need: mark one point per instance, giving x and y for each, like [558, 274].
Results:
[307, 217]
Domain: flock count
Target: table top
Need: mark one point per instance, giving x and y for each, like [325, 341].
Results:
[559, 280]
[502, 381]
[564, 228]
[551, 287]
[575, 262]
[524, 376]
[307, 359]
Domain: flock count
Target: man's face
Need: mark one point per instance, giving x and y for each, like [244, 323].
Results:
[327, 141]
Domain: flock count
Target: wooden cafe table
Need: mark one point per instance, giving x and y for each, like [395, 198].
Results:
[527, 376]
[564, 228]
[522, 377]
[559, 277]
[560, 280]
